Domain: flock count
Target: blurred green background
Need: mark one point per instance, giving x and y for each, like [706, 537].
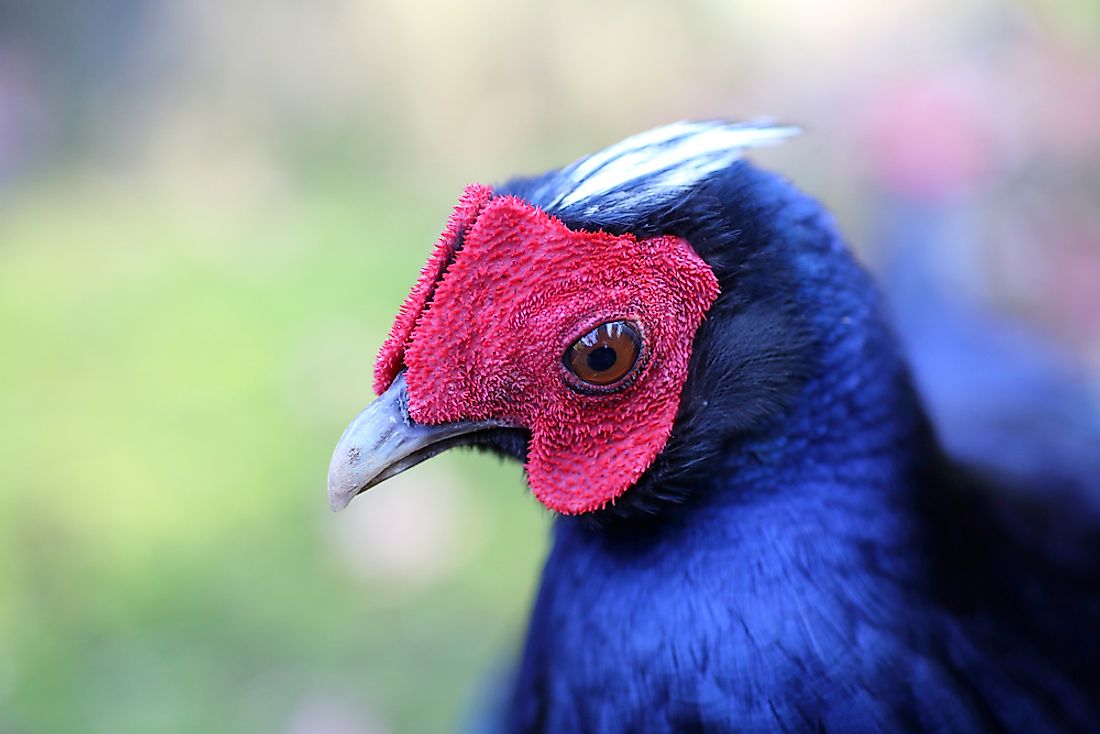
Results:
[210, 211]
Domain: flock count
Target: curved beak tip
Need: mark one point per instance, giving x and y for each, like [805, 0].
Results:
[338, 502]
[339, 493]
[384, 441]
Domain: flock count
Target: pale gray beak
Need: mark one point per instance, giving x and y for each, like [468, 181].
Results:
[384, 441]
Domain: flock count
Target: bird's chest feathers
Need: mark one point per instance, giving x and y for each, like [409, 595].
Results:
[744, 607]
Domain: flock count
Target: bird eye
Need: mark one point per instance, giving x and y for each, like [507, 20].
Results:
[606, 354]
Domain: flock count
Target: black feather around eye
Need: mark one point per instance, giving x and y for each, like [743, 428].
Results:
[735, 388]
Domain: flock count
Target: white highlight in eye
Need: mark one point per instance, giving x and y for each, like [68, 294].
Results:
[671, 157]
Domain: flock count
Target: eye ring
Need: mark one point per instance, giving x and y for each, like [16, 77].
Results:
[606, 358]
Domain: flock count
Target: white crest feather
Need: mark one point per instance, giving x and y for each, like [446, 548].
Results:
[665, 160]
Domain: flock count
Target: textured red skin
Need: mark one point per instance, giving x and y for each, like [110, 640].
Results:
[521, 290]
[391, 356]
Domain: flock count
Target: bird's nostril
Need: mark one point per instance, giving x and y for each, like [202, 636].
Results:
[353, 455]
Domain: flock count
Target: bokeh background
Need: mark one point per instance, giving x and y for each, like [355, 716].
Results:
[209, 212]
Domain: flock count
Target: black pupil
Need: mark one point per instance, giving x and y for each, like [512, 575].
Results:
[601, 359]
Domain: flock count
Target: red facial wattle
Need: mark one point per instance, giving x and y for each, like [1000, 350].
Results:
[507, 291]
[390, 357]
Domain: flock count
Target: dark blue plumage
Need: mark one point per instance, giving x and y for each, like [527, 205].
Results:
[803, 556]
[809, 552]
